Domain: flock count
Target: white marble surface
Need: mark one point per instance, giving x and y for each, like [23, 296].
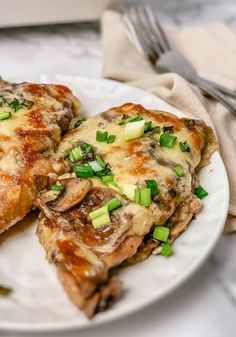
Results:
[205, 305]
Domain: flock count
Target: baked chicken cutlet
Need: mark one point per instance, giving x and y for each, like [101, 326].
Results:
[32, 117]
[129, 187]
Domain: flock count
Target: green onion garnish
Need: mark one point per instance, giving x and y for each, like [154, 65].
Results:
[46, 153]
[123, 119]
[95, 166]
[167, 140]
[101, 221]
[101, 136]
[71, 157]
[15, 104]
[147, 126]
[108, 178]
[56, 187]
[111, 139]
[98, 212]
[100, 161]
[86, 147]
[79, 122]
[143, 196]
[156, 129]
[2, 100]
[161, 233]
[113, 204]
[168, 129]
[189, 123]
[28, 104]
[179, 170]
[184, 147]
[134, 130]
[153, 186]
[5, 115]
[5, 291]
[166, 249]
[130, 191]
[83, 171]
[77, 153]
[200, 192]
[135, 119]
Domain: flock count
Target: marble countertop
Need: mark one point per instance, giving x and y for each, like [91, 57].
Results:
[206, 304]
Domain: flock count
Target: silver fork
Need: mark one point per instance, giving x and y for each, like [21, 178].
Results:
[148, 35]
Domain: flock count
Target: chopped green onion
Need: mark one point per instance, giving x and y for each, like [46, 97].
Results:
[113, 204]
[156, 129]
[95, 166]
[5, 291]
[179, 170]
[184, 147]
[189, 123]
[112, 183]
[101, 221]
[114, 187]
[129, 191]
[86, 147]
[147, 126]
[100, 161]
[123, 119]
[28, 104]
[168, 129]
[98, 212]
[134, 130]
[111, 139]
[153, 186]
[101, 136]
[46, 154]
[5, 115]
[2, 100]
[79, 122]
[77, 153]
[161, 233]
[108, 178]
[167, 140]
[200, 192]
[143, 196]
[56, 187]
[135, 119]
[15, 105]
[71, 157]
[83, 171]
[166, 249]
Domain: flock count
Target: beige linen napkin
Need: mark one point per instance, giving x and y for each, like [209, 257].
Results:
[212, 52]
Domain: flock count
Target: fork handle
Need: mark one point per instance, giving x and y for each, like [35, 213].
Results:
[221, 88]
[216, 94]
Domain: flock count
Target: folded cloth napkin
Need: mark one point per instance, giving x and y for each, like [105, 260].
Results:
[211, 50]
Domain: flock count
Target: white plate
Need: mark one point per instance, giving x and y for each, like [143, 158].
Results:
[38, 301]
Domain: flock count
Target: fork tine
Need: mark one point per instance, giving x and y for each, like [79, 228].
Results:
[157, 27]
[133, 23]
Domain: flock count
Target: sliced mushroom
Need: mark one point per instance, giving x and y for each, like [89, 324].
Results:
[75, 190]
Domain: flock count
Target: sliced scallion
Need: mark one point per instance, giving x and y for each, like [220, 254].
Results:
[98, 212]
[161, 233]
[95, 166]
[153, 186]
[166, 249]
[179, 170]
[86, 147]
[184, 147]
[101, 136]
[114, 187]
[143, 196]
[56, 187]
[5, 115]
[108, 178]
[134, 130]
[111, 139]
[167, 140]
[83, 171]
[77, 153]
[100, 161]
[71, 157]
[101, 221]
[148, 126]
[113, 204]
[135, 119]
[15, 104]
[200, 192]
[129, 191]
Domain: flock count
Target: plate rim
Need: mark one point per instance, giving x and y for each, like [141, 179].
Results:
[52, 326]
